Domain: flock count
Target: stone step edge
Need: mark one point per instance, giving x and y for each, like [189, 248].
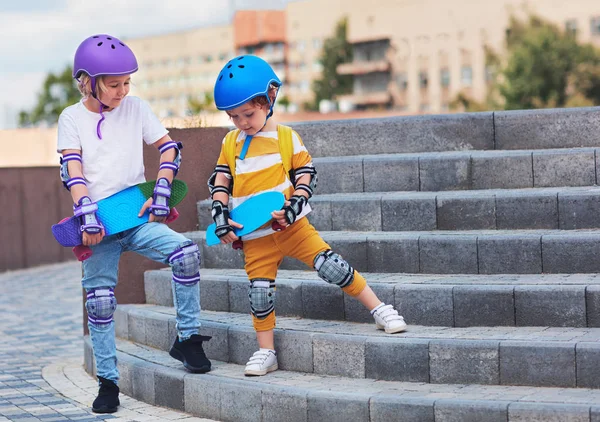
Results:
[452, 304]
[560, 357]
[224, 394]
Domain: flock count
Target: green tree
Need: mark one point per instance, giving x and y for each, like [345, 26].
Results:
[336, 50]
[58, 92]
[201, 103]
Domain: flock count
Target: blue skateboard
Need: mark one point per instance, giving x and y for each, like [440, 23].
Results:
[252, 214]
[117, 213]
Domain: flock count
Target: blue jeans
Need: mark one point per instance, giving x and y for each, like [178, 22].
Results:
[152, 240]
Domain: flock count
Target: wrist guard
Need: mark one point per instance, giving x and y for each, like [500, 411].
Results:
[293, 210]
[85, 209]
[220, 215]
[160, 200]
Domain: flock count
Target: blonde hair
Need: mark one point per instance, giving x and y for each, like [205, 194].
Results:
[84, 84]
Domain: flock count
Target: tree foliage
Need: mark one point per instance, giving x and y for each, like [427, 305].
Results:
[201, 103]
[58, 92]
[336, 50]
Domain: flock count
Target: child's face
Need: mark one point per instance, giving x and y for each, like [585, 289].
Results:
[117, 87]
[249, 117]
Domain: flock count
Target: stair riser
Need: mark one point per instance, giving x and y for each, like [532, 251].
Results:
[420, 304]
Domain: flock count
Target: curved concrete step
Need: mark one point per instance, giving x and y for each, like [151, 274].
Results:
[224, 393]
[544, 208]
[436, 300]
[447, 252]
[535, 356]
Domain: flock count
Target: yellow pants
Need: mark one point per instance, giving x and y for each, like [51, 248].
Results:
[301, 241]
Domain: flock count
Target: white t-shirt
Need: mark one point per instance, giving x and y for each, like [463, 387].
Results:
[116, 161]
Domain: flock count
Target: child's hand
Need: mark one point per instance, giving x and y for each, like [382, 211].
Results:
[89, 239]
[231, 236]
[279, 215]
[152, 217]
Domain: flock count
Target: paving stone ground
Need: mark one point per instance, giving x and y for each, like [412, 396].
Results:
[41, 352]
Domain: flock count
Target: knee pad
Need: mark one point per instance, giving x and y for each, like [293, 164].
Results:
[262, 297]
[332, 268]
[101, 304]
[185, 262]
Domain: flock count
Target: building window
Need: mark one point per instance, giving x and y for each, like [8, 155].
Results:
[423, 79]
[571, 27]
[595, 25]
[402, 81]
[490, 74]
[466, 75]
[445, 77]
[269, 48]
[317, 43]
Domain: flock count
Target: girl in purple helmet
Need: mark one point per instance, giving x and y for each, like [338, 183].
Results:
[101, 140]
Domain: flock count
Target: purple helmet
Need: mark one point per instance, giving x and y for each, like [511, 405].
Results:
[103, 55]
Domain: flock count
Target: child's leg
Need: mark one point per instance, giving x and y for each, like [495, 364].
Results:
[262, 258]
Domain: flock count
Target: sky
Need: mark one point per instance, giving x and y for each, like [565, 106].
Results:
[41, 36]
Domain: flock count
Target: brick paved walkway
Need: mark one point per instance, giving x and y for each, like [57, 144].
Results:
[41, 352]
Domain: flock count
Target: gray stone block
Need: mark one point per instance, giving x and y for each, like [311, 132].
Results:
[352, 247]
[408, 212]
[218, 346]
[328, 350]
[337, 176]
[391, 173]
[320, 216]
[509, 170]
[136, 321]
[399, 134]
[204, 213]
[448, 254]
[158, 289]
[483, 306]
[548, 412]
[452, 362]
[168, 388]
[157, 331]
[331, 407]
[354, 215]
[579, 210]
[386, 408]
[142, 380]
[458, 410]
[549, 128]
[294, 350]
[214, 295]
[592, 301]
[425, 304]
[125, 365]
[355, 311]
[526, 210]
[445, 173]
[242, 344]
[218, 256]
[239, 302]
[543, 364]
[202, 396]
[288, 301]
[466, 213]
[88, 356]
[284, 405]
[588, 368]
[121, 317]
[556, 306]
[564, 168]
[393, 254]
[322, 301]
[595, 414]
[572, 253]
[397, 359]
[239, 401]
[509, 254]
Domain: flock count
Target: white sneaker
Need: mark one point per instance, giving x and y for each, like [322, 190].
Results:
[262, 362]
[387, 318]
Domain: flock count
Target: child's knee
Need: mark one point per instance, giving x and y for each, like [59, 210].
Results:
[185, 261]
[100, 305]
[262, 297]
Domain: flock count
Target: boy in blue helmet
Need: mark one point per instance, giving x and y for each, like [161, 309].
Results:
[246, 90]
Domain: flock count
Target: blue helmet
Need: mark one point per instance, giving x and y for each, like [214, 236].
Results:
[243, 78]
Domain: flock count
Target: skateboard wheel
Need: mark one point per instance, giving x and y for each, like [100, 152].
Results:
[82, 252]
[173, 215]
[277, 227]
[238, 244]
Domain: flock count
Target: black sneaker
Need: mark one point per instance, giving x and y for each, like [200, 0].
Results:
[108, 397]
[191, 353]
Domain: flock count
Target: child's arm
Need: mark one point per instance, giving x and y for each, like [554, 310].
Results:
[293, 207]
[220, 209]
[72, 176]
